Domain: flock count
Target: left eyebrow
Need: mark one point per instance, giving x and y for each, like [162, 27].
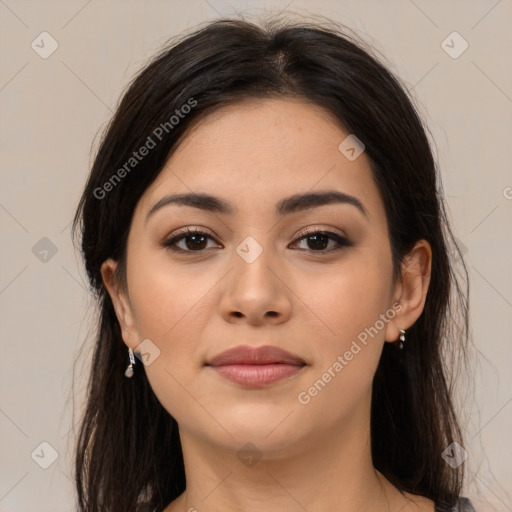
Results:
[288, 205]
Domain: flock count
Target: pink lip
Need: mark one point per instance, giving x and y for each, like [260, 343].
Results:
[255, 367]
[256, 375]
[244, 354]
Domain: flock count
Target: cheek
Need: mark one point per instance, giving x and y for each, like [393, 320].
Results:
[350, 307]
[171, 312]
[173, 305]
[339, 386]
[350, 297]
[165, 296]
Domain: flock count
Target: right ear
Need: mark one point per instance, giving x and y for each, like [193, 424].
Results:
[121, 303]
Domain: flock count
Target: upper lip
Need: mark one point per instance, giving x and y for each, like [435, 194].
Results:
[244, 354]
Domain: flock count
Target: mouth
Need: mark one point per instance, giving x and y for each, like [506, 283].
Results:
[256, 367]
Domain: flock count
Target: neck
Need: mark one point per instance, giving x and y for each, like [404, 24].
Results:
[331, 470]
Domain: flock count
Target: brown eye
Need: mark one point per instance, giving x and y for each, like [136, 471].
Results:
[194, 241]
[318, 241]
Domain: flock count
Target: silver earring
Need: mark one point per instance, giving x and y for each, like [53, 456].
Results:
[129, 370]
[402, 339]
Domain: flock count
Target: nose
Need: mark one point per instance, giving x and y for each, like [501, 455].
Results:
[256, 292]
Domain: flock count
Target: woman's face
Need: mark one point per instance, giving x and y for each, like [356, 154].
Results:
[255, 278]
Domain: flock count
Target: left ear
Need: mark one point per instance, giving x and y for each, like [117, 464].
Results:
[411, 290]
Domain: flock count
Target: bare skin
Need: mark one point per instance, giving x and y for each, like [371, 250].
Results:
[309, 300]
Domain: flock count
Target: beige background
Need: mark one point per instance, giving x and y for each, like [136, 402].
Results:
[51, 112]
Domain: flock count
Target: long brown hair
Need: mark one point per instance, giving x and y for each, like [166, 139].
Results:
[128, 450]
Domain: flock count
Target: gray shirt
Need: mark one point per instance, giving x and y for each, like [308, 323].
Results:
[463, 505]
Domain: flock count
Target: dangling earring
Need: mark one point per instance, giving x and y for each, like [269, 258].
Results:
[402, 339]
[129, 370]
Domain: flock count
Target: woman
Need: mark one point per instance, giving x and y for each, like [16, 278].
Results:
[263, 227]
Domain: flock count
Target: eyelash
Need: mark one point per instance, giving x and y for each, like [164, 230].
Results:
[302, 235]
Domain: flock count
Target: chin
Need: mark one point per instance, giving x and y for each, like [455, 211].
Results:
[270, 429]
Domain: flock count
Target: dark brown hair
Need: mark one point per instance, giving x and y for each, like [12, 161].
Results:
[128, 450]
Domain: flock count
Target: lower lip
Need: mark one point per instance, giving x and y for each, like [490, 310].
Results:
[254, 375]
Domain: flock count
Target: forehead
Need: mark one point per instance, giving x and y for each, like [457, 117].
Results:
[258, 151]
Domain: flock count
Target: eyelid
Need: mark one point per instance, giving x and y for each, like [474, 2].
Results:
[315, 230]
[192, 230]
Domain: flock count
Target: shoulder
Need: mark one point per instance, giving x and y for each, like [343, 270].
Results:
[418, 503]
[463, 505]
[145, 507]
